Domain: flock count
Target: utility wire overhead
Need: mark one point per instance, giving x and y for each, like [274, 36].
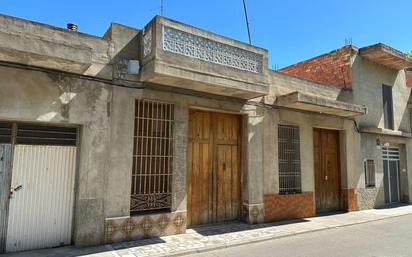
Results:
[247, 22]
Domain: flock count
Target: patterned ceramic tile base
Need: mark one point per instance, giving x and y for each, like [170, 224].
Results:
[253, 213]
[145, 226]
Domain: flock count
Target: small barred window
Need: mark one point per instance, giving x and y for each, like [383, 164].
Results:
[369, 173]
[289, 160]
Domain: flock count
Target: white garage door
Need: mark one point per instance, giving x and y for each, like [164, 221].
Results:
[40, 193]
[41, 205]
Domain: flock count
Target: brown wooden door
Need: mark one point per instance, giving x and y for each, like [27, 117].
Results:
[327, 169]
[214, 174]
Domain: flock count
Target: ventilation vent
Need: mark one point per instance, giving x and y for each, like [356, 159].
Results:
[29, 134]
[5, 133]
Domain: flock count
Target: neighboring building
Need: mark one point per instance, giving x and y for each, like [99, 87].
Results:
[373, 76]
[409, 78]
[147, 132]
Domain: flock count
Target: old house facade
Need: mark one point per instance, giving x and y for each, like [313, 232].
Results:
[373, 76]
[145, 132]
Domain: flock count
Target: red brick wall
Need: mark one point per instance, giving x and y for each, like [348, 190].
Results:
[349, 200]
[409, 78]
[283, 207]
[332, 68]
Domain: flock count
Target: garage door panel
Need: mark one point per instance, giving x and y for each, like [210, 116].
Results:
[41, 207]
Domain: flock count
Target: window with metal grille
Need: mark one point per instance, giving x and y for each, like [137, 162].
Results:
[152, 157]
[289, 160]
[369, 173]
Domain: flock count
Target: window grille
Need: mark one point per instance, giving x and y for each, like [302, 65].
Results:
[152, 157]
[289, 160]
[369, 173]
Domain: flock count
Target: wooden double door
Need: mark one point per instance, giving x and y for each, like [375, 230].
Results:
[214, 167]
[327, 170]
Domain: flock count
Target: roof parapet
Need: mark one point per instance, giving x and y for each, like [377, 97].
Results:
[386, 55]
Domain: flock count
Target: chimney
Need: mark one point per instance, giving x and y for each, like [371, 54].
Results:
[72, 26]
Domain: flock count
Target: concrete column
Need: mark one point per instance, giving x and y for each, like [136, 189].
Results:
[180, 149]
[352, 169]
[252, 193]
[119, 173]
[93, 163]
[270, 153]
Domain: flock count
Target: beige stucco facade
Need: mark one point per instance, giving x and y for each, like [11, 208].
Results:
[90, 90]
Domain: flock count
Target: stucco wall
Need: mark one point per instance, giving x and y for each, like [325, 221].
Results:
[282, 84]
[348, 142]
[105, 114]
[41, 97]
[374, 197]
[367, 80]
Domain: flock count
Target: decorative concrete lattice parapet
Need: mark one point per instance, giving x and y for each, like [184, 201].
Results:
[180, 42]
[147, 42]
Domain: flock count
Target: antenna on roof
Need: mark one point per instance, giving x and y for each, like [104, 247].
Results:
[247, 22]
[348, 41]
[159, 8]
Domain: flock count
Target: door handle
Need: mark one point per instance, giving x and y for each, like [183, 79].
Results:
[326, 178]
[17, 188]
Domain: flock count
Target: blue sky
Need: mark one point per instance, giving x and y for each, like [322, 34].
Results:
[292, 30]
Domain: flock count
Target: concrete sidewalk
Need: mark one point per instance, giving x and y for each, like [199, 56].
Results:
[221, 236]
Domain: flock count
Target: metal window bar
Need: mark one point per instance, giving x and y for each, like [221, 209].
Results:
[390, 153]
[289, 160]
[152, 157]
[369, 173]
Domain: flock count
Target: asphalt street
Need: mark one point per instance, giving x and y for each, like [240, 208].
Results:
[389, 237]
